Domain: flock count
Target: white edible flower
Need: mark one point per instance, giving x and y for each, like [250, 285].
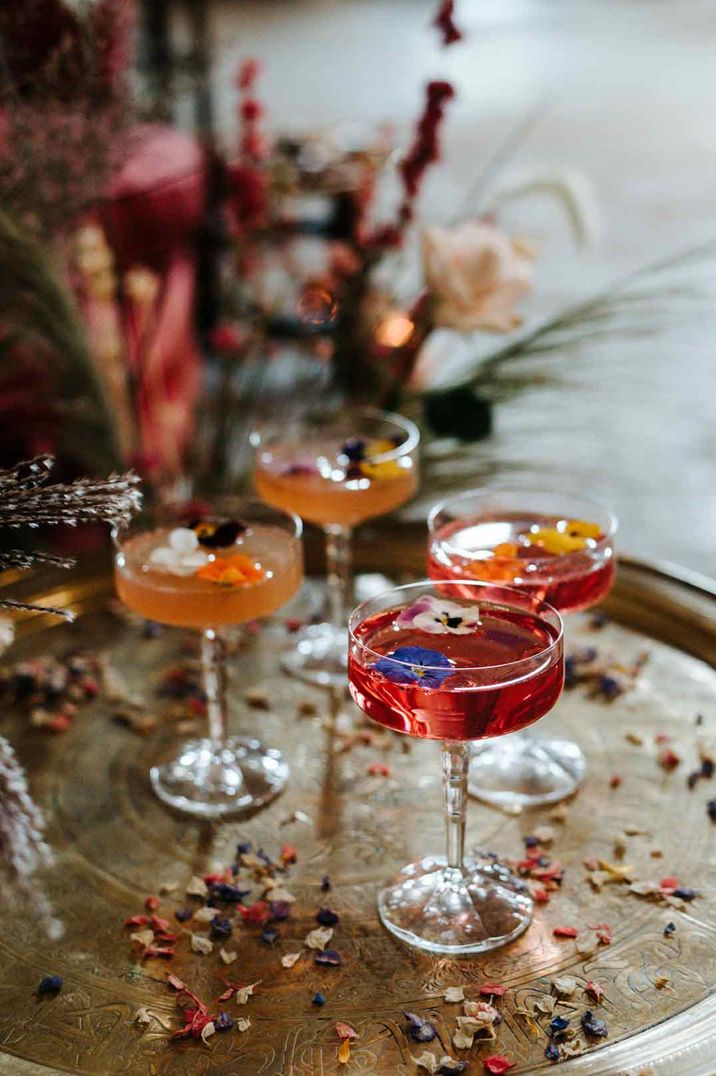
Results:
[183, 554]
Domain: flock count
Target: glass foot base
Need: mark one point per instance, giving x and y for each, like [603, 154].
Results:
[520, 771]
[240, 777]
[456, 912]
[320, 655]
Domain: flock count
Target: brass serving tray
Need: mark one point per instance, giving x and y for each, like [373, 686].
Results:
[115, 843]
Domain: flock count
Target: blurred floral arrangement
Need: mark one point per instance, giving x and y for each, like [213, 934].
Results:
[160, 294]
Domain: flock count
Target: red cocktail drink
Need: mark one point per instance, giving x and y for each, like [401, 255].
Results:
[455, 662]
[470, 700]
[555, 548]
[539, 553]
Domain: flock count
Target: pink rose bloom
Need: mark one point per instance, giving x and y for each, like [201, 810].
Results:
[475, 275]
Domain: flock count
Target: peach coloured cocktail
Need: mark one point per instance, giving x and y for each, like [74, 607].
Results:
[235, 561]
[336, 470]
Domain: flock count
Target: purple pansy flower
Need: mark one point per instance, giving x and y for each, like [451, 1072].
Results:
[415, 665]
[438, 616]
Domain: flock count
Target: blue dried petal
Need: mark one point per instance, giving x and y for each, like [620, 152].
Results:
[329, 957]
[318, 999]
[182, 914]
[244, 847]
[51, 984]
[707, 767]
[449, 1067]
[325, 883]
[670, 928]
[693, 779]
[419, 1030]
[531, 842]
[268, 936]
[221, 928]
[229, 893]
[711, 810]
[279, 909]
[593, 1026]
[686, 893]
[326, 917]
[415, 665]
[263, 856]
[558, 1023]
[552, 1052]
[224, 1022]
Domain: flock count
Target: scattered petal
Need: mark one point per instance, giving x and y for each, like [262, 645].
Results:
[344, 1052]
[289, 959]
[326, 917]
[498, 1063]
[228, 956]
[595, 991]
[208, 1030]
[205, 915]
[495, 990]
[565, 986]
[593, 1026]
[197, 888]
[51, 984]
[319, 938]
[329, 957]
[345, 1031]
[243, 1024]
[318, 999]
[565, 932]
[454, 994]
[201, 944]
[243, 993]
[419, 1030]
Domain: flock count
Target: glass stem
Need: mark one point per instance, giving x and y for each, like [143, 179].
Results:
[213, 667]
[338, 570]
[456, 761]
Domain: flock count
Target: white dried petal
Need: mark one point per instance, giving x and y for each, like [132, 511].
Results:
[545, 1004]
[427, 1061]
[544, 834]
[228, 956]
[208, 1030]
[587, 945]
[142, 937]
[289, 959]
[565, 985]
[197, 887]
[167, 888]
[461, 1040]
[201, 944]
[319, 938]
[143, 1016]
[183, 540]
[245, 992]
[283, 895]
[454, 993]
[243, 1024]
[205, 915]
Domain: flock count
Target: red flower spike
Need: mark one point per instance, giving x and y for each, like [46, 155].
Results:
[498, 1063]
[495, 990]
[256, 915]
[379, 769]
[152, 903]
[444, 21]
[595, 991]
[288, 854]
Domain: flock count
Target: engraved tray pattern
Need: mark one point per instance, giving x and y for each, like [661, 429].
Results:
[115, 843]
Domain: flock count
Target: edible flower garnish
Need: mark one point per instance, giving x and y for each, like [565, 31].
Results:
[415, 665]
[437, 616]
[361, 458]
[567, 537]
[182, 556]
[217, 534]
[236, 571]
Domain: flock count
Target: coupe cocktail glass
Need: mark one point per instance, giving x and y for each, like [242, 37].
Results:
[455, 662]
[335, 470]
[556, 547]
[209, 568]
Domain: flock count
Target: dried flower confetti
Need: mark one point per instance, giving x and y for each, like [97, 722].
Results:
[329, 958]
[243, 993]
[419, 1030]
[228, 956]
[593, 1026]
[565, 986]
[319, 938]
[498, 1064]
[494, 990]
[565, 932]
[201, 944]
[344, 1052]
[454, 994]
[289, 959]
[51, 984]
